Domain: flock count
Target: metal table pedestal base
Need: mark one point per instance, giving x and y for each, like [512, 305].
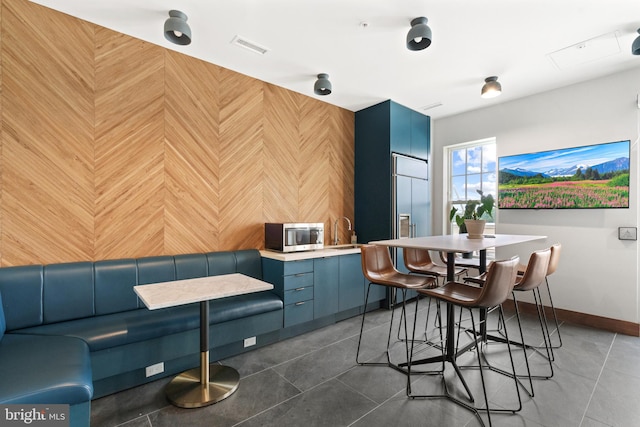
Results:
[187, 391]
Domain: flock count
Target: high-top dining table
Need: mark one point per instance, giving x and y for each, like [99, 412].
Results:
[452, 244]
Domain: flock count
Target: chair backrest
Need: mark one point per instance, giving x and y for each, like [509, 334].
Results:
[555, 257]
[499, 283]
[536, 270]
[416, 259]
[376, 262]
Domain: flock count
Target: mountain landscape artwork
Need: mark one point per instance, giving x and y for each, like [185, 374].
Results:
[593, 176]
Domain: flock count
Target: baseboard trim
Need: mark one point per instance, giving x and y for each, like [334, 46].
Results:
[598, 322]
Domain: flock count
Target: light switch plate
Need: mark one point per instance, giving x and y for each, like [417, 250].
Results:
[627, 233]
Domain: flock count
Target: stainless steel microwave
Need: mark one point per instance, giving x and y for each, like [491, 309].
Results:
[294, 237]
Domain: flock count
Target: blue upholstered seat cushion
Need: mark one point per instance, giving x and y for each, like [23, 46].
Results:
[112, 330]
[44, 369]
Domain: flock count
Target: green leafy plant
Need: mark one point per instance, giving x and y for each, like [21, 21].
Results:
[474, 209]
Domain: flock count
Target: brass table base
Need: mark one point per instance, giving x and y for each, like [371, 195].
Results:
[187, 391]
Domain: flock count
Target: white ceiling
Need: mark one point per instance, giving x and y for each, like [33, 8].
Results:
[472, 39]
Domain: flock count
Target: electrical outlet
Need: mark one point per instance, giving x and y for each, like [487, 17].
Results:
[156, 369]
[248, 342]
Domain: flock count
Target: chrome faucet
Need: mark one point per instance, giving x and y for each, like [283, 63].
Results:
[335, 229]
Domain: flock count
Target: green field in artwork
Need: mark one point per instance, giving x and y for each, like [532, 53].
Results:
[565, 194]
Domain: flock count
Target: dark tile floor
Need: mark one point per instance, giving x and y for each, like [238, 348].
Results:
[313, 380]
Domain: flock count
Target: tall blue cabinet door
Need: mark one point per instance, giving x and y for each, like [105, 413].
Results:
[400, 128]
[351, 282]
[325, 286]
[420, 135]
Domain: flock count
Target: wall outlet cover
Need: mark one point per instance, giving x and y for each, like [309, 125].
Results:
[627, 233]
[156, 369]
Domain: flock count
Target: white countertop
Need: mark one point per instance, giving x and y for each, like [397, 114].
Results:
[458, 242]
[320, 253]
[179, 292]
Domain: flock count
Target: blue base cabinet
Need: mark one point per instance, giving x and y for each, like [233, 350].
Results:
[326, 273]
[320, 287]
[351, 283]
[293, 282]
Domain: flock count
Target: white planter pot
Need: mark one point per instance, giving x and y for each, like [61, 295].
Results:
[475, 228]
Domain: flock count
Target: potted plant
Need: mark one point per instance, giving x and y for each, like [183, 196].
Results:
[470, 221]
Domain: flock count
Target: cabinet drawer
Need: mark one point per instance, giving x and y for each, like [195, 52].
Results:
[296, 267]
[299, 280]
[298, 313]
[298, 294]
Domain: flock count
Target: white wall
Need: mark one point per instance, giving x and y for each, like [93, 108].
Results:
[597, 274]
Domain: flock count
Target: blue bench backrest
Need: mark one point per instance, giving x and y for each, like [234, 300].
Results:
[114, 282]
[35, 294]
[67, 291]
[21, 289]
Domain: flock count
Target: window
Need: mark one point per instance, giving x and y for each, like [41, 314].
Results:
[471, 167]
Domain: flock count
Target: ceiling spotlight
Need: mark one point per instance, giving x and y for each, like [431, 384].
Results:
[419, 36]
[491, 88]
[176, 29]
[635, 47]
[322, 85]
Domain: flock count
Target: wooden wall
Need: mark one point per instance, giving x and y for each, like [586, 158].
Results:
[112, 147]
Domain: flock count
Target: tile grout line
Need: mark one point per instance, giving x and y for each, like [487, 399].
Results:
[584, 414]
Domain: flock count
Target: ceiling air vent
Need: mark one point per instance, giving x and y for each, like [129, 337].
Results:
[242, 42]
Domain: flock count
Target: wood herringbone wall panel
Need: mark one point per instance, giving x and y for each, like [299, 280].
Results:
[47, 136]
[241, 161]
[191, 162]
[282, 164]
[315, 157]
[341, 182]
[112, 147]
[129, 139]
[1, 174]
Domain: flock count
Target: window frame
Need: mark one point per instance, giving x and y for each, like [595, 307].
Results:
[448, 177]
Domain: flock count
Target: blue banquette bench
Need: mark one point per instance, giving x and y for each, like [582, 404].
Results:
[74, 332]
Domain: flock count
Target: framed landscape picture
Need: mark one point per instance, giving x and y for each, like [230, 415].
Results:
[586, 177]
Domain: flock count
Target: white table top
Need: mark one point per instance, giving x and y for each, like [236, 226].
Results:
[457, 242]
[178, 292]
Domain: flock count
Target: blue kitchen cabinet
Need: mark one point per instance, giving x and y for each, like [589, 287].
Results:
[293, 282]
[326, 275]
[380, 131]
[351, 282]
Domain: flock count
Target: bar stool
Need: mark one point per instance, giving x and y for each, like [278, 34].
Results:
[553, 265]
[378, 269]
[499, 283]
[532, 277]
[461, 262]
[418, 261]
